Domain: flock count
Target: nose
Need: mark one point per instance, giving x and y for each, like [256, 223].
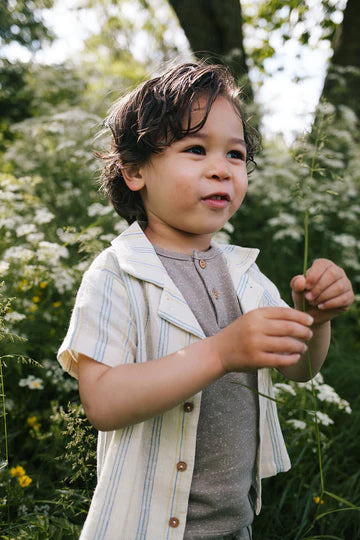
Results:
[218, 169]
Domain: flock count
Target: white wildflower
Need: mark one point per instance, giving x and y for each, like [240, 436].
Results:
[43, 216]
[97, 209]
[297, 424]
[63, 279]
[107, 237]
[4, 267]
[221, 237]
[282, 219]
[67, 236]
[51, 252]
[26, 228]
[284, 387]
[322, 418]
[328, 394]
[345, 240]
[32, 382]
[91, 233]
[35, 238]
[120, 226]
[8, 223]
[14, 316]
[18, 254]
[291, 232]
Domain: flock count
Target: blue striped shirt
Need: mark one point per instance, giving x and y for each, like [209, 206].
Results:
[128, 310]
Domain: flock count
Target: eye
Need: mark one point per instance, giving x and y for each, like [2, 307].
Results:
[236, 154]
[198, 150]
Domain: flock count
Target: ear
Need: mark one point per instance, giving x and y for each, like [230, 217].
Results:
[133, 177]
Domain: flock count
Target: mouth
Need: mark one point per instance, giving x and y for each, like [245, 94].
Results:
[217, 197]
[217, 201]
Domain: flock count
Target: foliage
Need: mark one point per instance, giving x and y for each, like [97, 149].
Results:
[53, 222]
[276, 23]
[21, 22]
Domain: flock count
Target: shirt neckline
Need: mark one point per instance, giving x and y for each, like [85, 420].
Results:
[211, 253]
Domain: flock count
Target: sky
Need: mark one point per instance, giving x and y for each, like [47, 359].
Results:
[287, 103]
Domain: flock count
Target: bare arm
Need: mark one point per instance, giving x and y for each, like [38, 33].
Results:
[127, 394]
[318, 348]
[328, 293]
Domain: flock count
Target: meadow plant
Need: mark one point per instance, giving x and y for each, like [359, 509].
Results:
[321, 182]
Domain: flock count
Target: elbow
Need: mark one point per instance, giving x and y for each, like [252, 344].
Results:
[97, 418]
[102, 419]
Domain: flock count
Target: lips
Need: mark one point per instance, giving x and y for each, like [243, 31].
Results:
[217, 197]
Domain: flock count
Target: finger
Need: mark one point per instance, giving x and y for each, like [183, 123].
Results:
[288, 314]
[342, 302]
[331, 275]
[317, 269]
[279, 360]
[284, 345]
[288, 329]
[334, 290]
[298, 283]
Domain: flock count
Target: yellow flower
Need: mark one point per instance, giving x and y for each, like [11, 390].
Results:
[36, 299]
[33, 308]
[318, 500]
[25, 481]
[43, 284]
[23, 283]
[32, 422]
[57, 304]
[17, 471]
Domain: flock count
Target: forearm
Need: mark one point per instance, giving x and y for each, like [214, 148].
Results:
[131, 393]
[318, 348]
[128, 394]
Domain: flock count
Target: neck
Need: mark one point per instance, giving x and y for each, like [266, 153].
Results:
[179, 242]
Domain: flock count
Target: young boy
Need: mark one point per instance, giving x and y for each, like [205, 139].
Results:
[169, 330]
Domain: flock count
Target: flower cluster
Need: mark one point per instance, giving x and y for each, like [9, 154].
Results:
[19, 473]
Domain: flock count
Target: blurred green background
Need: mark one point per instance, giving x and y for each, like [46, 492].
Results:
[53, 221]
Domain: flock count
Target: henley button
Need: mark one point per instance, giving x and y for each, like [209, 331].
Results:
[215, 293]
[188, 406]
[181, 466]
[173, 522]
[202, 263]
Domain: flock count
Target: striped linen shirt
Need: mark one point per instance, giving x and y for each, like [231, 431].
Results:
[128, 310]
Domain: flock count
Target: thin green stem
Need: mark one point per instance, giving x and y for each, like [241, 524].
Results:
[4, 413]
[307, 192]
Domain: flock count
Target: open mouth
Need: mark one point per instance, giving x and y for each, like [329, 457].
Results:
[218, 197]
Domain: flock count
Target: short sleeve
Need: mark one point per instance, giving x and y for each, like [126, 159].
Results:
[101, 325]
[271, 295]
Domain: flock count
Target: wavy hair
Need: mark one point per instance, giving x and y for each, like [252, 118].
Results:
[153, 116]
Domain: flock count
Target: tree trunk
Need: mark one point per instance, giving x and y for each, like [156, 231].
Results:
[214, 31]
[342, 82]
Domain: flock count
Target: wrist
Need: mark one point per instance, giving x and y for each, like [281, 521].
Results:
[218, 354]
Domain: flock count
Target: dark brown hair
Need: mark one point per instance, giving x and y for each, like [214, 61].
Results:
[156, 114]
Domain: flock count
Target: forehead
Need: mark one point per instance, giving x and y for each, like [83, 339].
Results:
[223, 115]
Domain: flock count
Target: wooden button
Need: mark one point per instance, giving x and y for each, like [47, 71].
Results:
[188, 406]
[202, 263]
[215, 293]
[173, 522]
[181, 466]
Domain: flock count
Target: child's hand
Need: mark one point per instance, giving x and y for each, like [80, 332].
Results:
[328, 292]
[265, 337]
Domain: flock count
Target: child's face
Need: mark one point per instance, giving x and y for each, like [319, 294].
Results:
[195, 185]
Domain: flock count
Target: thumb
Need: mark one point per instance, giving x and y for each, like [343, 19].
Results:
[297, 285]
